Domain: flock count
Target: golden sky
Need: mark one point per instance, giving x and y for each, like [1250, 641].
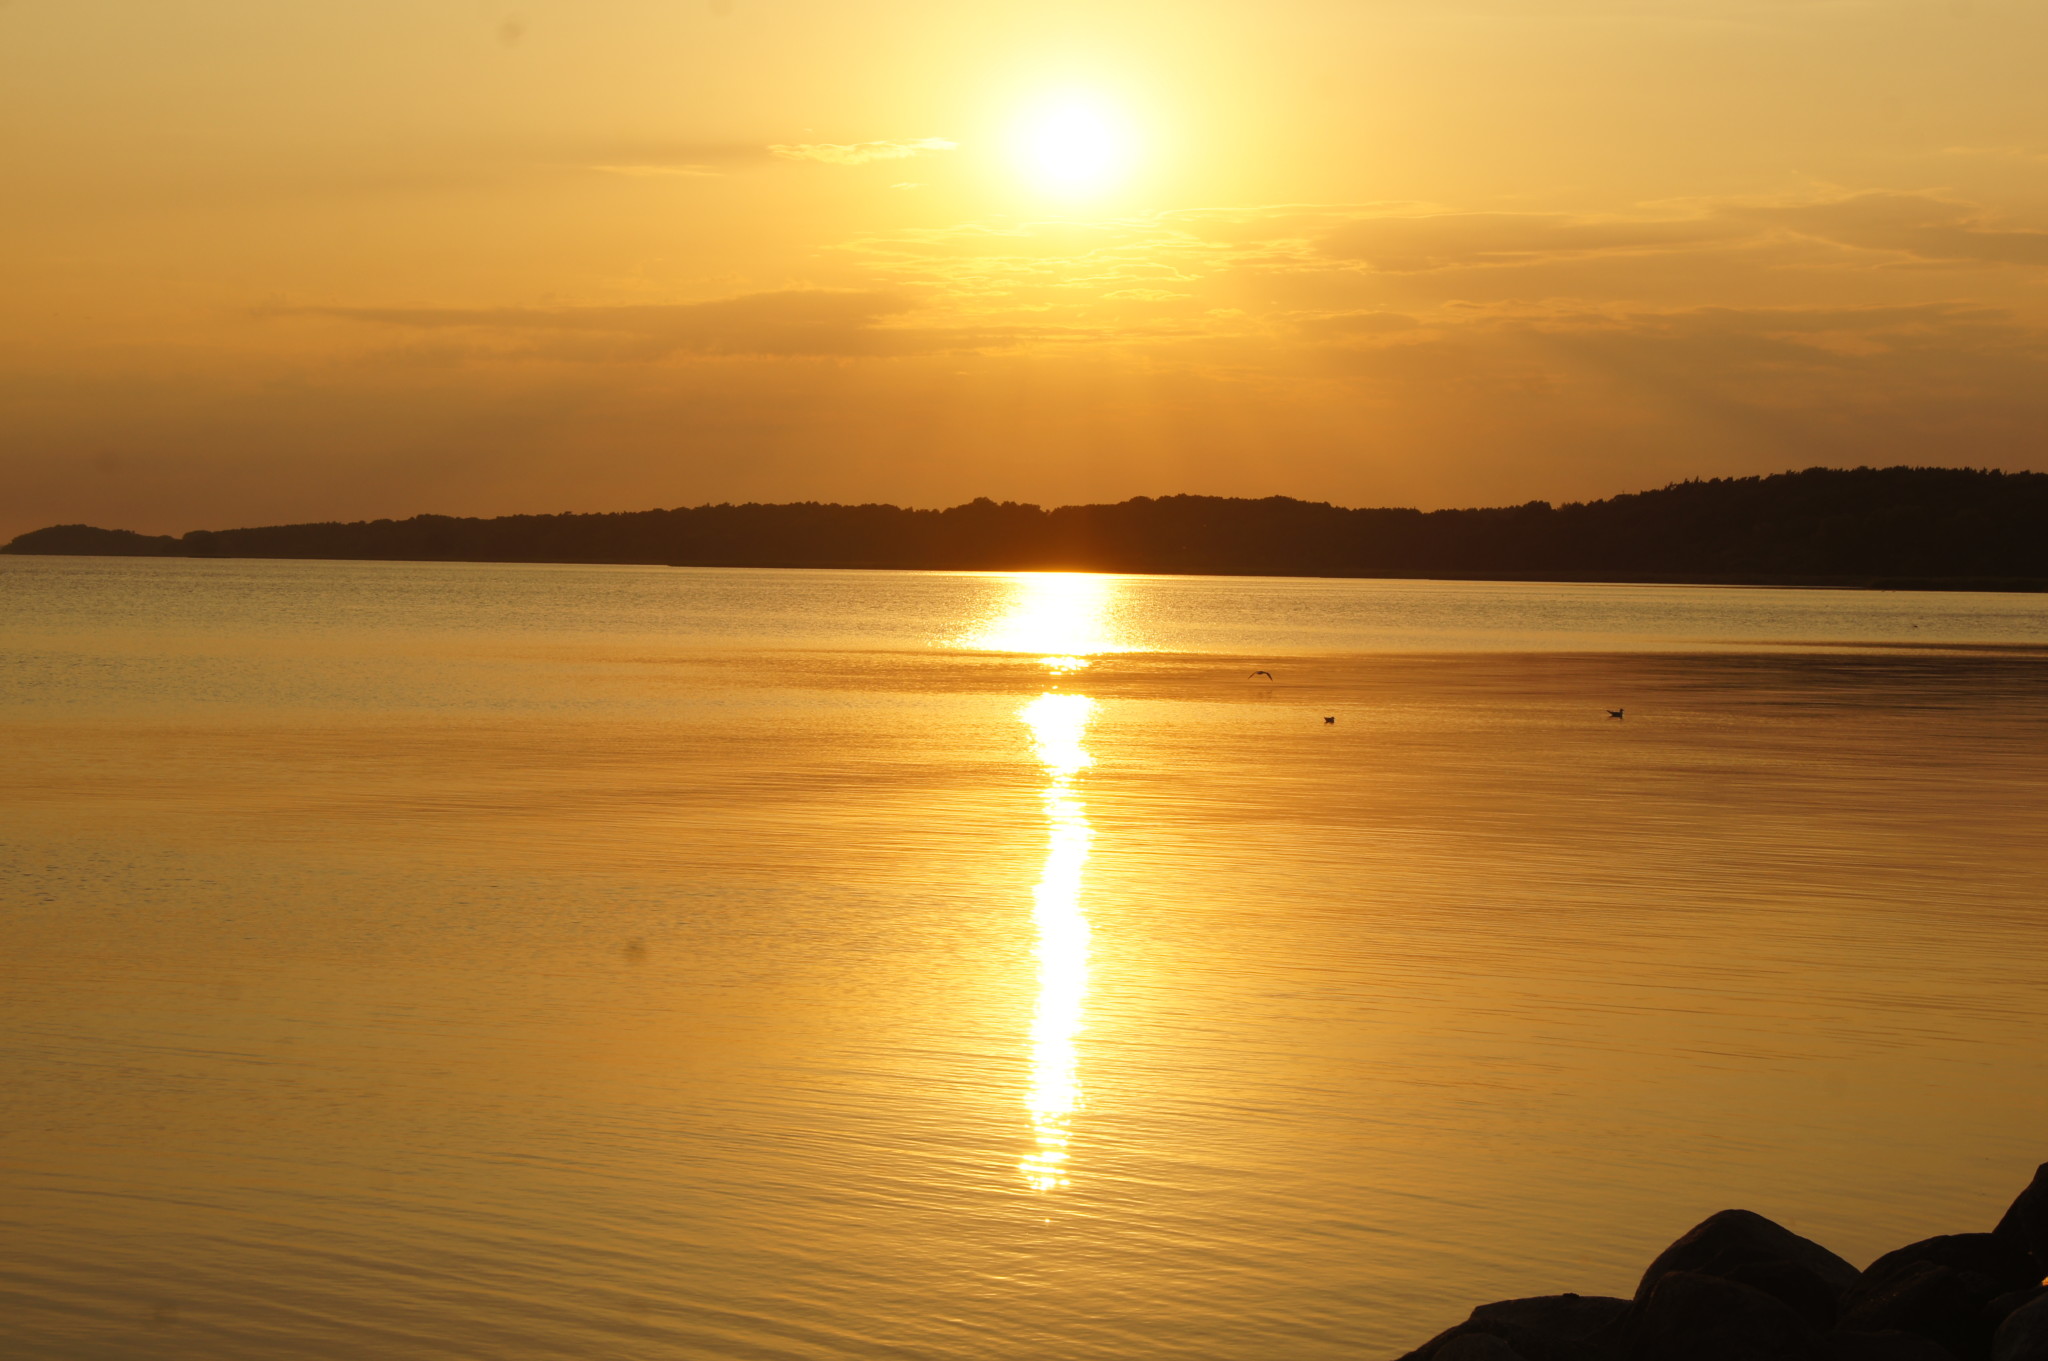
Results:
[272, 260]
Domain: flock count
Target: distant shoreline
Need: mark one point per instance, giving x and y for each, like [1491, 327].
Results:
[1898, 529]
[1952, 585]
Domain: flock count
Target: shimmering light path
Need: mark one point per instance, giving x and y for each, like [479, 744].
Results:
[1067, 616]
[1058, 725]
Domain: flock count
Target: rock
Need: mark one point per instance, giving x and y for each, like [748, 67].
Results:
[1926, 1299]
[2025, 1225]
[1738, 1287]
[1733, 1238]
[2024, 1334]
[1574, 1317]
[1526, 1344]
[1693, 1316]
[1477, 1347]
[1739, 1246]
[2002, 1308]
[1789, 1283]
[1943, 1289]
[1540, 1328]
[1992, 1266]
[1882, 1347]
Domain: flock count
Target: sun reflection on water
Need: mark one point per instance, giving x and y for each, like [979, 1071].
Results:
[1058, 724]
[1063, 618]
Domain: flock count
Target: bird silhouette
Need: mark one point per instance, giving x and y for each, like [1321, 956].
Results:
[1616, 713]
[1267, 674]
[1331, 719]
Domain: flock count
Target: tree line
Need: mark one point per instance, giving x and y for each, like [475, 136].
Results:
[1873, 526]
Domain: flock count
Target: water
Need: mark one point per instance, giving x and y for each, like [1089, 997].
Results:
[450, 961]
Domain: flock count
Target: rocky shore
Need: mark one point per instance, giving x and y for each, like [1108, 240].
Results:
[1741, 1288]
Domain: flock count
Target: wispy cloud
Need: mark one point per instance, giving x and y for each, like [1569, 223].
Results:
[651, 158]
[706, 159]
[1466, 240]
[859, 153]
[1997, 153]
[791, 323]
[1346, 324]
[1923, 226]
[656, 170]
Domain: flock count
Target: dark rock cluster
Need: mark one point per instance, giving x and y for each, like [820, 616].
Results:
[1741, 1288]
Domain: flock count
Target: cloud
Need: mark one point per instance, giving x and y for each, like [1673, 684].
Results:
[1821, 335]
[1751, 287]
[1301, 222]
[1952, 318]
[859, 153]
[650, 171]
[649, 159]
[1816, 362]
[1358, 324]
[1454, 240]
[1997, 153]
[790, 323]
[1921, 225]
[1322, 271]
[1034, 266]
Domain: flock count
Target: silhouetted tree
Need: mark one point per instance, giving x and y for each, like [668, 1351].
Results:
[1896, 525]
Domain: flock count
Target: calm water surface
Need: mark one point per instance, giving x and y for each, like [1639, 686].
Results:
[460, 961]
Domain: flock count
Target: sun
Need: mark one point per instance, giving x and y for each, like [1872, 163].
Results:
[1074, 145]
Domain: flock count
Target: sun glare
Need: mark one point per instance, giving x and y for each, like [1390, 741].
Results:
[1074, 145]
[1065, 617]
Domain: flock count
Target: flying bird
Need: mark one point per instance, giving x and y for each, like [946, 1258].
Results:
[1616, 713]
[1267, 674]
[1331, 719]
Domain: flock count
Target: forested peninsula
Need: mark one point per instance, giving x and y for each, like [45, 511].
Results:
[1885, 527]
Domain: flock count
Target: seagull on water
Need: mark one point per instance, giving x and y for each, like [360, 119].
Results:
[1331, 719]
[1616, 713]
